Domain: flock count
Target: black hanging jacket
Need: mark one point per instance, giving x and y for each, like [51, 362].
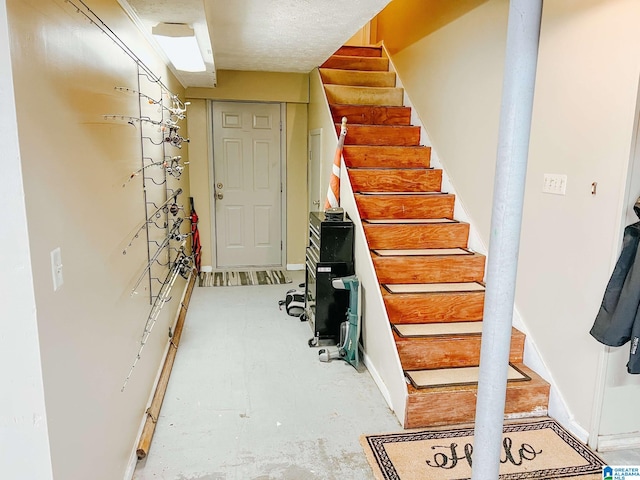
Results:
[618, 320]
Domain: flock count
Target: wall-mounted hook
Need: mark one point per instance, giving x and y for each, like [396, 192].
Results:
[159, 226]
[160, 183]
[150, 140]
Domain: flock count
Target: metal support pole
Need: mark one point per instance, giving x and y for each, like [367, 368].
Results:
[508, 196]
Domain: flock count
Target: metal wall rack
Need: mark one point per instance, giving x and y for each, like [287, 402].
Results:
[159, 111]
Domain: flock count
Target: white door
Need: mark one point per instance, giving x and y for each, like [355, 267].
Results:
[247, 184]
[313, 170]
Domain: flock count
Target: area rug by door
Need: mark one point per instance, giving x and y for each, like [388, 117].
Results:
[230, 279]
[537, 449]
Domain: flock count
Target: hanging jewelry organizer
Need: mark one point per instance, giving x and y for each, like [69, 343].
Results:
[161, 166]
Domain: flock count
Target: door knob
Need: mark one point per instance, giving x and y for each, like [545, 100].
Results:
[316, 203]
[219, 195]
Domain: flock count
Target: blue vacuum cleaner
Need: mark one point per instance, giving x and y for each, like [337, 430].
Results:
[347, 348]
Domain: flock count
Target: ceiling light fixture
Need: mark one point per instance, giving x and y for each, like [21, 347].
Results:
[179, 43]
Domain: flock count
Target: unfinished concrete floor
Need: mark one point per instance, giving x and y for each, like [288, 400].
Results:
[248, 399]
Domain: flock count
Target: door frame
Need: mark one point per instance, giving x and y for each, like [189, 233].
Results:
[318, 132]
[283, 180]
[626, 202]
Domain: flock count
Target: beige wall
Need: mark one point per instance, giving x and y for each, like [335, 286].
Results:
[199, 165]
[289, 88]
[582, 127]
[256, 87]
[74, 164]
[320, 119]
[404, 22]
[297, 230]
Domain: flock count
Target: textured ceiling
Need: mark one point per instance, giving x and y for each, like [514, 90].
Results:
[264, 35]
[283, 35]
[149, 13]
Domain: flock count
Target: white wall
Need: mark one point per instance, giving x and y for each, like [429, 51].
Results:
[24, 439]
[74, 164]
[379, 348]
[582, 127]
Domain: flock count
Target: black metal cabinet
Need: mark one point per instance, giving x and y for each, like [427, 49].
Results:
[329, 255]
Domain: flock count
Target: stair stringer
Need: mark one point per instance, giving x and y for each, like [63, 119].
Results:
[378, 345]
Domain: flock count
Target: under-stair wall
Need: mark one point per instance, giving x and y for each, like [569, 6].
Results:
[380, 354]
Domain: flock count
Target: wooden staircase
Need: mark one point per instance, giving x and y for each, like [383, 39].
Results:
[431, 283]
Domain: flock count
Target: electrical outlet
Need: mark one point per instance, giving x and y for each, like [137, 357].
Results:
[56, 269]
[555, 183]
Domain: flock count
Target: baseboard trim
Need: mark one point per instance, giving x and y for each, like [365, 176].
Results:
[557, 407]
[295, 266]
[577, 430]
[133, 460]
[377, 379]
[621, 441]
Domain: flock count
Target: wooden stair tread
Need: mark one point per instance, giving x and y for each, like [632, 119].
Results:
[456, 403]
[366, 78]
[421, 252]
[535, 381]
[417, 194]
[395, 179]
[413, 269]
[359, 50]
[398, 135]
[449, 351]
[358, 95]
[415, 235]
[363, 89]
[371, 114]
[387, 168]
[373, 205]
[396, 288]
[433, 307]
[458, 376]
[353, 62]
[437, 329]
[387, 148]
[400, 221]
[386, 155]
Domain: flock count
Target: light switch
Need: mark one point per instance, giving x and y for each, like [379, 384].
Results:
[555, 183]
[56, 269]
